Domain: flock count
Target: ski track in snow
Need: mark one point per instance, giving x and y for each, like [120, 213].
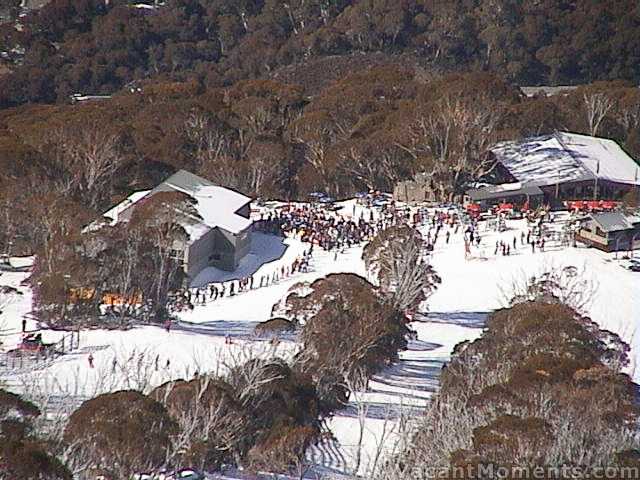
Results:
[470, 290]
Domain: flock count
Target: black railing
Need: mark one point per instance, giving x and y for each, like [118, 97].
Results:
[40, 356]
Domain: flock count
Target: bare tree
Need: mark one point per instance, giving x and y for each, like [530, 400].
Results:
[396, 257]
[356, 397]
[627, 111]
[446, 427]
[263, 161]
[597, 106]
[88, 157]
[5, 300]
[165, 219]
[319, 133]
[207, 138]
[451, 142]
[372, 162]
[8, 218]
[209, 417]
[317, 138]
[567, 284]
[122, 259]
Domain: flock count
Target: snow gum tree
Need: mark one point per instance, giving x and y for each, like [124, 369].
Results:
[212, 421]
[395, 257]
[542, 386]
[123, 433]
[372, 330]
[163, 218]
[22, 453]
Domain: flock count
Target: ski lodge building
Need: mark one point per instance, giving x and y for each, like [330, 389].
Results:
[611, 231]
[561, 166]
[220, 238]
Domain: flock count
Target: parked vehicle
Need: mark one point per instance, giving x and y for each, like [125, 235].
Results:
[634, 265]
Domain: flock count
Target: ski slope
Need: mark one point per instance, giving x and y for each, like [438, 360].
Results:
[146, 356]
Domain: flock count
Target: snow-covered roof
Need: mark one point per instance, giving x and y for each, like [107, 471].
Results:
[115, 211]
[217, 206]
[566, 157]
[547, 90]
[614, 221]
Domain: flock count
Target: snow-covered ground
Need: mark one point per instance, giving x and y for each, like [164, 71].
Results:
[470, 289]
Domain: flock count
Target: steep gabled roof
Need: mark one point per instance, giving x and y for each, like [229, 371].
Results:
[217, 206]
[183, 181]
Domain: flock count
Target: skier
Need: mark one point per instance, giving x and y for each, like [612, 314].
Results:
[90, 360]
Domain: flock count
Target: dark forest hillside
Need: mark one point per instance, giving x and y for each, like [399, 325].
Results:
[98, 46]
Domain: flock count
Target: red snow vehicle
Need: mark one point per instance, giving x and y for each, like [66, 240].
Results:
[33, 343]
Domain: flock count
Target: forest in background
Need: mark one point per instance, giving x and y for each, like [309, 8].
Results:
[98, 46]
[66, 163]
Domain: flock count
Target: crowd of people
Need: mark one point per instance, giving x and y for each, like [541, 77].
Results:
[324, 228]
[318, 226]
[213, 291]
[451, 222]
[313, 224]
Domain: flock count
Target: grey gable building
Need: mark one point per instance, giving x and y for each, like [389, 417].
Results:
[220, 238]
